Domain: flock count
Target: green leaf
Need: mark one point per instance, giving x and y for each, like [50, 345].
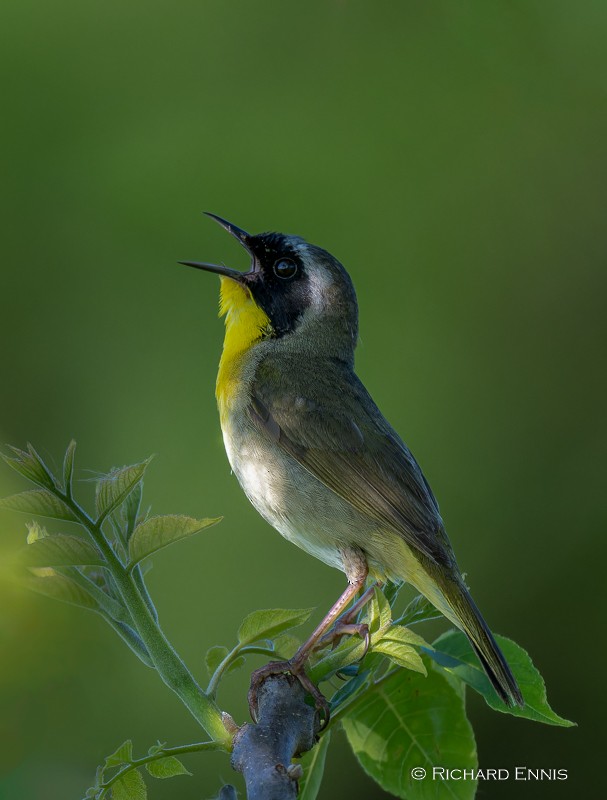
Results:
[467, 668]
[385, 610]
[349, 689]
[114, 488]
[352, 648]
[166, 768]
[285, 646]
[401, 654]
[391, 592]
[129, 787]
[130, 509]
[419, 610]
[103, 601]
[31, 466]
[379, 611]
[455, 683]
[59, 587]
[215, 655]
[269, 622]
[349, 651]
[40, 502]
[398, 644]
[158, 532]
[122, 755]
[402, 635]
[60, 550]
[407, 721]
[313, 764]
[68, 466]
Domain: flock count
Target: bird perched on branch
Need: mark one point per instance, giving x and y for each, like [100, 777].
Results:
[313, 452]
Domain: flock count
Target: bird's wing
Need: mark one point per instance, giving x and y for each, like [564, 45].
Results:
[350, 448]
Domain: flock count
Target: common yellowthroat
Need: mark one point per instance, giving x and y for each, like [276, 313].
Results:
[312, 451]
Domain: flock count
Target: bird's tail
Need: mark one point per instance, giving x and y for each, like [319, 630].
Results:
[471, 621]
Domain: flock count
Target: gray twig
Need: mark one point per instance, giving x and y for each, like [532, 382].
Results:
[286, 728]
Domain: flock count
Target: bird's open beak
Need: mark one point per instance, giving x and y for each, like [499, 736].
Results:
[242, 236]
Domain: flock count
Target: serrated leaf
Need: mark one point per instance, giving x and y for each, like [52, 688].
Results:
[468, 669]
[31, 466]
[402, 635]
[409, 721]
[40, 502]
[215, 655]
[402, 654]
[121, 755]
[112, 489]
[267, 623]
[59, 587]
[167, 767]
[398, 643]
[158, 532]
[60, 550]
[68, 465]
[130, 786]
[35, 532]
[313, 764]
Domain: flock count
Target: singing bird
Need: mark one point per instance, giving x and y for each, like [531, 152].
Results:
[312, 451]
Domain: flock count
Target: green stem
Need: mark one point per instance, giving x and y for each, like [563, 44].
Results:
[130, 638]
[143, 591]
[211, 689]
[166, 752]
[169, 665]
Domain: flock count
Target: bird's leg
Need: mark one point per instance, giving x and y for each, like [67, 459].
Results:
[355, 567]
[347, 625]
[362, 601]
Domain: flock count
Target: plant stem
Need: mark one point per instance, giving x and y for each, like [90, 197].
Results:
[239, 649]
[166, 752]
[167, 662]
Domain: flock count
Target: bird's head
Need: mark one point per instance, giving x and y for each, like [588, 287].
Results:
[303, 292]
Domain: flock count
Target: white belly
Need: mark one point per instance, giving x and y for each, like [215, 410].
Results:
[287, 497]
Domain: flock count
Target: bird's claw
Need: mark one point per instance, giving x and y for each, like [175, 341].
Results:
[295, 669]
[347, 629]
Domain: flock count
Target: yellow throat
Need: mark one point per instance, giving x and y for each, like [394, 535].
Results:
[246, 324]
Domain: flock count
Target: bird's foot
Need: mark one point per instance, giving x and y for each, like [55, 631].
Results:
[294, 667]
[333, 637]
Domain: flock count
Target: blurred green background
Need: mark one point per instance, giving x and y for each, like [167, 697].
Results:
[453, 156]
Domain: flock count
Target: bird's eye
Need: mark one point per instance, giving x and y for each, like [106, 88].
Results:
[285, 268]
